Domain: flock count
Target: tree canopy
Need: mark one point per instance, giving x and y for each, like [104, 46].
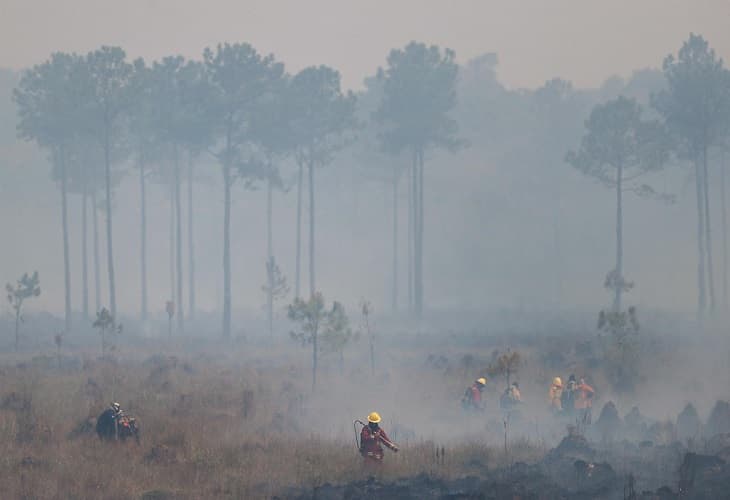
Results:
[418, 93]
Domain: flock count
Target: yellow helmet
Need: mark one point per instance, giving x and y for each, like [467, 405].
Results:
[482, 381]
[374, 418]
[558, 382]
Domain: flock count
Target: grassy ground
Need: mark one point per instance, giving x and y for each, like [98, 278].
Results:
[231, 423]
[240, 420]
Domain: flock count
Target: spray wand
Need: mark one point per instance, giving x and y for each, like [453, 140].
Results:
[357, 433]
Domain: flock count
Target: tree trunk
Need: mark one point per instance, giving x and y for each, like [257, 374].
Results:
[395, 239]
[371, 341]
[619, 240]
[97, 260]
[84, 249]
[314, 359]
[17, 328]
[143, 237]
[109, 238]
[355, 206]
[701, 298]
[557, 252]
[269, 258]
[708, 231]
[178, 243]
[724, 230]
[64, 223]
[171, 241]
[191, 246]
[297, 276]
[227, 248]
[419, 240]
[312, 284]
[411, 232]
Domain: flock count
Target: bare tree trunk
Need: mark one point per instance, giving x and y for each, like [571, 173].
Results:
[191, 246]
[701, 290]
[97, 260]
[314, 359]
[143, 237]
[419, 241]
[109, 232]
[558, 254]
[724, 230]
[395, 239]
[109, 229]
[708, 231]
[619, 239]
[269, 257]
[227, 248]
[178, 242]
[64, 223]
[17, 329]
[297, 276]
[312, 283]
[371, 339]
[84, 250]
[411, 230]
[354, 224]
[171, 241]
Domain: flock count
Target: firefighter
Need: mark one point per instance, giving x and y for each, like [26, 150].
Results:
[472, 399]
[584, 400]
[371, 438]
[567, 399]
[511, 397]
[107, 422]
[555, 394]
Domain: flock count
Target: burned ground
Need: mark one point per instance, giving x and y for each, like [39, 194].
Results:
[241, 421]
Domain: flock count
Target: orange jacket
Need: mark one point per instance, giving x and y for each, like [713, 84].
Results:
[584, 396]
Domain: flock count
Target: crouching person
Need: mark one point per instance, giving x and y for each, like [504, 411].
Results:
[107, 422]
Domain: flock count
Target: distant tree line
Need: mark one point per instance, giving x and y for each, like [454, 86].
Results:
[99, 114]
[694, 117]
[100, 117]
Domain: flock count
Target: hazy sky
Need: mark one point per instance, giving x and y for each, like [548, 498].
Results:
[581, 40]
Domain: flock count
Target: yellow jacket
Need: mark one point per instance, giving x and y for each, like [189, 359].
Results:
[554, 395]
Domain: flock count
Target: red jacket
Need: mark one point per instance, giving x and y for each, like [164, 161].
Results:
[370, 443]
[476, 395]
[472, 398]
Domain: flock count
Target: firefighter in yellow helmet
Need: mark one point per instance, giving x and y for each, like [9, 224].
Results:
[371, 438]
[555, 394]
[472, 399]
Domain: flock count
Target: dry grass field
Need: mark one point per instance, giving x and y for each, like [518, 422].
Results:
[237, 422]
[240, 420]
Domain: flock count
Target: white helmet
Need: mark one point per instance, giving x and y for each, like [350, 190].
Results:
[116, 407]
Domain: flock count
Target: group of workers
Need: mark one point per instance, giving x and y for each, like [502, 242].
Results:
[575, 398]
[473, 399]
